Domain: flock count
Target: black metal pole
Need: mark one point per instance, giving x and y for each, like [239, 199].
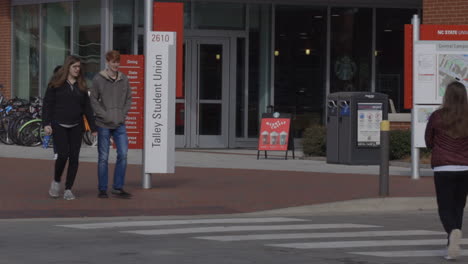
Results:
[384, 158]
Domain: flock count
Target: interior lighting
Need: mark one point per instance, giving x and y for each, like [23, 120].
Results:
[276, 53]
[218, 56]
[307, 51]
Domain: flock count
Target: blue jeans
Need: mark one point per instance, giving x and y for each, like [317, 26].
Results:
[119, 135]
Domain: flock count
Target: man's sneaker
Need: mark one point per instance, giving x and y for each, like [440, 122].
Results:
[68, 195]
[453, 250]
[54, 190]
[102, 194]
[121, 193]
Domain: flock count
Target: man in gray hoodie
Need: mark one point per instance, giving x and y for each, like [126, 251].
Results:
[111, 98]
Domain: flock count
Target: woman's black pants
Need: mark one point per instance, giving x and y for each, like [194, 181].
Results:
[451, 189]
[68, 144]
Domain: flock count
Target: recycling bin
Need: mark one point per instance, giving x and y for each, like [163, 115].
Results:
[353, 127]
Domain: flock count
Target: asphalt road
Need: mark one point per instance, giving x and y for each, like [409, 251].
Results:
[382, 238]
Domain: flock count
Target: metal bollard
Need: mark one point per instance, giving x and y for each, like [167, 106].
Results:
[384, 158]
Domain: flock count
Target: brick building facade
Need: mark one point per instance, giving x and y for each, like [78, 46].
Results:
[5, 47]
[452, 12]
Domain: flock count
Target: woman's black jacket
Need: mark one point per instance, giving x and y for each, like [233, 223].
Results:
[64, 105]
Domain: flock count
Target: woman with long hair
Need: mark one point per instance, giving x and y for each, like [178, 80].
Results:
[447, 136]
[65, 102]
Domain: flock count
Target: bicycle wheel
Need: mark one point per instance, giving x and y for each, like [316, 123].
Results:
[14, 128]
[30, 134]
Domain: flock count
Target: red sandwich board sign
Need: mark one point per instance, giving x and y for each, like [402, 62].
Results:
[275, 134]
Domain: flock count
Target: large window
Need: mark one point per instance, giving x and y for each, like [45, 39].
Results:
[300, 63]
[55, 38]
[123, 26]
[259, 65]
[26, 51]
[351, 49]
[88, 38]
[212, 15]
[389, 52]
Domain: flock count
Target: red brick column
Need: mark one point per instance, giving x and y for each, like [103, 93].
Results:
[5, 47]
[448, 12]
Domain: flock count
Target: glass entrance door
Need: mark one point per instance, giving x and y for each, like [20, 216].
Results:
[202, 115]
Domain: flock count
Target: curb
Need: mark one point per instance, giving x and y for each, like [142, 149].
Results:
[371, 205]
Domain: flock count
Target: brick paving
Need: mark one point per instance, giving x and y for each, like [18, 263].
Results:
[189, 191]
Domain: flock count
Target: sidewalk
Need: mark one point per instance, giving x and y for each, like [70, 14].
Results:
[207, 182]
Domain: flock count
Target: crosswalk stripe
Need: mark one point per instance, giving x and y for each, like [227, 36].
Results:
[371, 243]
[183, 222]
[213, 229]
[322, 235]
[408, 253]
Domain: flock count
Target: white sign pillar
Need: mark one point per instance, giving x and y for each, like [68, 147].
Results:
[160, 86]
[414, 150]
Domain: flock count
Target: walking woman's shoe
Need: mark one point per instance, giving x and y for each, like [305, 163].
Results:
[54, 190]
[68, 195]
[453, 250]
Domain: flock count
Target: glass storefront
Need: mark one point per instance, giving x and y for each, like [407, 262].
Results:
[123, 29]
[26, 51]
[87, 41]
[351, 49]
[55, 39]
[300, 61]
[281, 55]
[389, 53]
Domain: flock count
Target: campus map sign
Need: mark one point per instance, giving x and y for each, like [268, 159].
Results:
[440, 58]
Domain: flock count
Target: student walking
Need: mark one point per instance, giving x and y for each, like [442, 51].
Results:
[447, 136]
[65, 102]
[111, 99]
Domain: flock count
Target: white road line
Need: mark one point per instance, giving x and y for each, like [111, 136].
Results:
[371, 243]
[183, 222]
[323, 235]
[214, 229]
[408, 253]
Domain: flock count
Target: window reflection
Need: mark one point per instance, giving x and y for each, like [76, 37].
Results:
[56, 39]
[300, 60]
[259, 61]
[123, 26]
[389, 52]
[26, 51]
[351, 49]
[211, 15]
[88, 41]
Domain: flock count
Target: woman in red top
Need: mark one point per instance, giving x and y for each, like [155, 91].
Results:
[447, 136]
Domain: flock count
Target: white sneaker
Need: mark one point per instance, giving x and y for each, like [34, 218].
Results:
[453, 250]
[68, 195]
[54, 189]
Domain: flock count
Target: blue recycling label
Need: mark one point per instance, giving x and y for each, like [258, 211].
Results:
[345, 111]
